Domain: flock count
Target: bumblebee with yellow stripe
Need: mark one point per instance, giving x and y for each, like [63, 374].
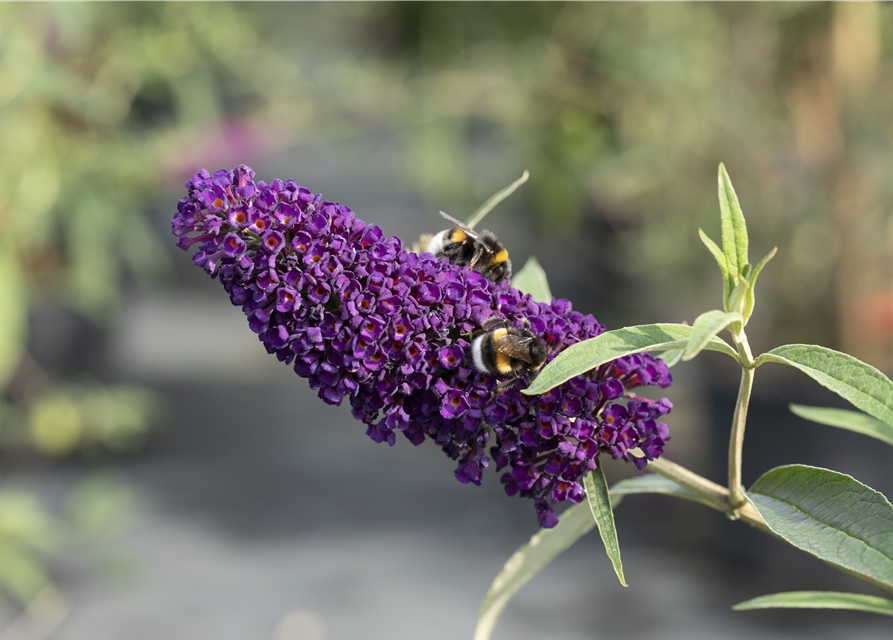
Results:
[464, 246]
[503, 351]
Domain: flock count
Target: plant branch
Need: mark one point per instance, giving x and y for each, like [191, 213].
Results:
[736, 438]
[715, 495]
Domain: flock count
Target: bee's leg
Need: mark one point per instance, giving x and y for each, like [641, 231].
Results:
[525, 323]
[492, 323]
[477, 256]
[487, 327]
[505, 384]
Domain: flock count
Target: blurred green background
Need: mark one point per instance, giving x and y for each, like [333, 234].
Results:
[621, 112]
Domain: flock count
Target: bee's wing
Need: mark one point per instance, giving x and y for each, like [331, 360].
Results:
[471, 233]
[514, 347]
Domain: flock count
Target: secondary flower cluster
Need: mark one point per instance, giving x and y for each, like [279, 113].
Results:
[362, 318]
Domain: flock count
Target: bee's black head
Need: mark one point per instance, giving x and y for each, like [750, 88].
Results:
[538, 350]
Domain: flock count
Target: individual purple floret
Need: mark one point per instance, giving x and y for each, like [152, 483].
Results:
[362, 318]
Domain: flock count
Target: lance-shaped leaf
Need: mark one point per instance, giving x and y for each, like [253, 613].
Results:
[752, 282]
[734, 230]
[532, 279]
[583, 356]
[600, 502]
[851, 379]
[723, 266]
[831, 516]
[495, 199]
[762, 263]
[851, 420]
[653, 483]
[705, 327]
[819, 600]
[529, 560]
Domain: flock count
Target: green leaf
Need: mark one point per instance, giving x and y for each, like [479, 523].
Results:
[706, 326]
[738, 298]
[734, 230]
[762, 263]
[532, 279]
[851, 379]
[831, 516]
[547, 544]
[13, 312]
[671, 357]
[819, 600]
[721, 261]
[495, 199]
[583, 356]
[653, 483]
[529, 560]
[852, 420]
[600, 502]
[752, 282]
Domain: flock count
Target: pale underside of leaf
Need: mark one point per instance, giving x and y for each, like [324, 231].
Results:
[584, 356]
[529, 560]
[859, 383]
[819, 600]
[532, 279]
[721, 261]
[716, 251]
[762, 263]
[831, 516]
[547, 544]
[845, 419]
[705, 327]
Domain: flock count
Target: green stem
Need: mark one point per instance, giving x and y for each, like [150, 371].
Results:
[719, 498]
[736, 439]
[713, 493]
[495, 199]
[716, 495]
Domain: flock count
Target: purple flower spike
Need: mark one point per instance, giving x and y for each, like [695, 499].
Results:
[363, 319]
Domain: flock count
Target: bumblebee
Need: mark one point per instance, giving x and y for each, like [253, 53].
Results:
[503, 351]
[465, 247]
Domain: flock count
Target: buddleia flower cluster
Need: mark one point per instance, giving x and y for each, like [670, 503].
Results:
[365, 320]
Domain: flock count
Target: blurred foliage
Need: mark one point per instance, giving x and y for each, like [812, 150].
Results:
[30, 532]
[93, 419]
[621, 112]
